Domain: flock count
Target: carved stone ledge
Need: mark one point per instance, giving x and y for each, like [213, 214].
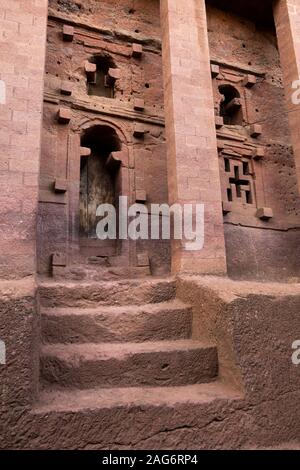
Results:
[85, 151]
[115, 108]
[64, 115]
[139, 104]
[264, 213]
[137, 50]
[60, 186]
[219, 121]
[139, 130]
[66, 88]
[140, 196]
[90, 70]
[255, 130]
[215, 70]
[87, 29]
[249, 81]
[258, 153]
[68, 33]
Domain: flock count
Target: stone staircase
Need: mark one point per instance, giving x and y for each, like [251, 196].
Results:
[113, 347]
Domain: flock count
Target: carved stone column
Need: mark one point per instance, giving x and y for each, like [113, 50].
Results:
[22, 59]
[287, 20]
[193, 172]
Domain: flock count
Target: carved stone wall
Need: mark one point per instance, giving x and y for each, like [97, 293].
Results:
[97, 47]
[104, 67]
[257, 168]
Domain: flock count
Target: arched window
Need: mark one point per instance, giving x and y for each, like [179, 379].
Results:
[97, 178]
[230, 105]
[102, 85]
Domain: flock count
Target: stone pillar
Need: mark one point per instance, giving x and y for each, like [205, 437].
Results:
[287, 20]
[22, 58]
[193, 171]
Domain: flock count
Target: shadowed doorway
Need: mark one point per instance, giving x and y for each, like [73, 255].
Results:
[97, 184]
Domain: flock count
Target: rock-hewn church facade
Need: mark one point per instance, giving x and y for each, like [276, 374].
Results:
[142, 344]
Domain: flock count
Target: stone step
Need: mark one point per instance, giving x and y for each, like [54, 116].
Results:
[187, 417]
[98, 273]
[91, 294]
[150, 322]
[161, 363]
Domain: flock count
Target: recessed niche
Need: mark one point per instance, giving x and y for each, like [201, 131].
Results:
[230, 105]
[102, 84]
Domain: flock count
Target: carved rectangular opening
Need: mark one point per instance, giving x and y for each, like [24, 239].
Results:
[238, 181]
[98, 185]
[102, 86]
[227, 164]
[229, 194]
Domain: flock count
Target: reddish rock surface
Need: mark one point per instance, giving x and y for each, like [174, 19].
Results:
[142, 344]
